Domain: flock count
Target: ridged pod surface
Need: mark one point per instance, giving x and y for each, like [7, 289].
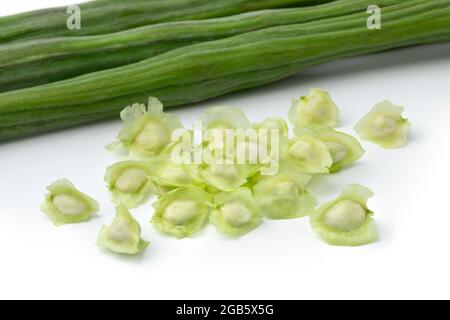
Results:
[198, 72]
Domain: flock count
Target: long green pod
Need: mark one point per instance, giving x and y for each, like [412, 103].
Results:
[54, 69]
[32, 63]
[244, 53]
[432, 23]
[76, 108]
[352, 21]
[173, 96]
[211, 29]
[192, 30]
[108, 16]
[181, 95]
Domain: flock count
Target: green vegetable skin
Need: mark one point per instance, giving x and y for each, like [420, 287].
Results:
[107, 16]
[32, 63]
[207, 70]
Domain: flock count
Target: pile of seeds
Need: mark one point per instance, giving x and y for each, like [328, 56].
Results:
[235, 175]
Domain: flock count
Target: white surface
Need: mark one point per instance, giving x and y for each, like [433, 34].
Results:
[279, 260]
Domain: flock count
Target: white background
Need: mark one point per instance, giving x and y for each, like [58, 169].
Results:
[282, 259]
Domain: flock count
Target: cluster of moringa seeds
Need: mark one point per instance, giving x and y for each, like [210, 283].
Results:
[235, 197]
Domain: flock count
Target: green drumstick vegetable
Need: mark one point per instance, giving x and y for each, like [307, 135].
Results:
[214, 68]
